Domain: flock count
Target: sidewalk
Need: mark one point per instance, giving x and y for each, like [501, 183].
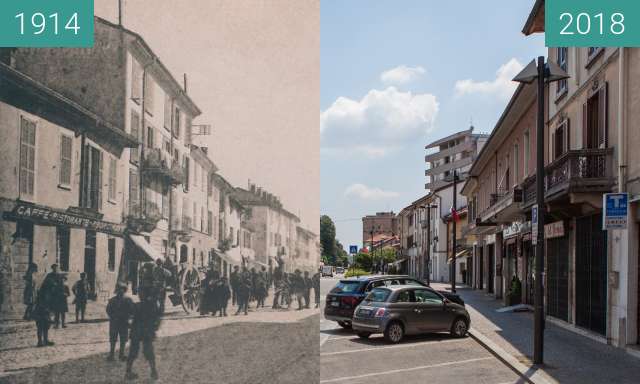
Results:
[18, 349]
[569, 357]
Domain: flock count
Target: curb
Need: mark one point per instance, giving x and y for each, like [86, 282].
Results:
[530, 374]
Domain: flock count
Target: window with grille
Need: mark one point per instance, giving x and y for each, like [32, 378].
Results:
[27, 157]
[66, 153]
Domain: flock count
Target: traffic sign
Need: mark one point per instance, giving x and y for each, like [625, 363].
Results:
[616, 210]
[353, 249]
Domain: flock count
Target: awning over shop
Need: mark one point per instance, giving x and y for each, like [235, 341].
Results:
[460, 254]
[146, 248]
[398, 262]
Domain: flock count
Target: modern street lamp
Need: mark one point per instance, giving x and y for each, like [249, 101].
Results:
[543, 73]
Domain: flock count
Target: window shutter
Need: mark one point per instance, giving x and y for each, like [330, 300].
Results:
[133, 192]
[567, 135]
[100, 181]
[65, 160]
[603, 111]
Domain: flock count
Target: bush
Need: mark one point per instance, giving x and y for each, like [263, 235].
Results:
[355, 272]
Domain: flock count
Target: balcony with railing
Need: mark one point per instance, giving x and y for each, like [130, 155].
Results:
[577, 171]
[158, 162]
[143, 217]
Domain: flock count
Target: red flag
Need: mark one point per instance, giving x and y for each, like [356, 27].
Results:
[454, 214]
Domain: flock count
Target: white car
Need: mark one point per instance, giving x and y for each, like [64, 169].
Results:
[327, 270]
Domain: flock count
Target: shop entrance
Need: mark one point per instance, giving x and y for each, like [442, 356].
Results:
[591, 274]
[90, 261]
[480, 267]
[492, 263]
[558, 278]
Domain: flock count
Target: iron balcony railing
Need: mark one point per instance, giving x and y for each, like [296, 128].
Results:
[583, 170]
[160, 163]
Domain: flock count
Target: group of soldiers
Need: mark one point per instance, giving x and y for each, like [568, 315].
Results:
[245, 286]
[48, 305]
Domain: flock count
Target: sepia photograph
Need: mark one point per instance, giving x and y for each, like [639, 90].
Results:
[159, 197]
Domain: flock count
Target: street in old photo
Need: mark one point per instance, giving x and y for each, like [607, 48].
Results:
[145, 233]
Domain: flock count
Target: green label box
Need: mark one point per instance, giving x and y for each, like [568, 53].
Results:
[46, 23]
[592, 23]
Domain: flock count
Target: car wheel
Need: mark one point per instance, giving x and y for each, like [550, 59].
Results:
[344, 324]
[394, 332]
[459, 327]
[364, 335]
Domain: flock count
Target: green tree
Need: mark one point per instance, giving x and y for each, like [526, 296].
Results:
[328, 238]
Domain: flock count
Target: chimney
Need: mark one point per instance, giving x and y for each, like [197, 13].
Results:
[185, 83]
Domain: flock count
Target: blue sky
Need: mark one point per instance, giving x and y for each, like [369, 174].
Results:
[396, 75]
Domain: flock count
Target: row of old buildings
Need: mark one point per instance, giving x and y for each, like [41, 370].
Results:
[591, 276]
[100, 172]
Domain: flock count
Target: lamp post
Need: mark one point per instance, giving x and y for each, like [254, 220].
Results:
[427, 266]
[541, 73]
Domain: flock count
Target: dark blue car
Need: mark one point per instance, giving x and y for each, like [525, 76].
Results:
[342, 300]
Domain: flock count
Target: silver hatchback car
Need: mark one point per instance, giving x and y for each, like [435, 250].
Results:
[402, 310]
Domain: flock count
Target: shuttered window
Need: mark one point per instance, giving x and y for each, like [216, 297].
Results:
[27, 157]
[149, 91]
[167, 112]
[176, 123]
[135, 132]
[136, 82]
[134, 187]
[66, 153]
[113, 178]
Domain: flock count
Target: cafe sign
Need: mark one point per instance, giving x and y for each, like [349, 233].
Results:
[52, 216]
[553, 230]
[516, 228]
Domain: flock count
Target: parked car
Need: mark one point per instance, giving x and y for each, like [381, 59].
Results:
[339, 270]
[402, 310]
[348, 293]
[327, 270]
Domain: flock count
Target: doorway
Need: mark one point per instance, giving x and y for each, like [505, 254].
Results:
[90, 261]
[491, 269]
[481, 267]
[591, 274]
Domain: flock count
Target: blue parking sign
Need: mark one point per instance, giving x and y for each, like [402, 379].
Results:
[615, 210]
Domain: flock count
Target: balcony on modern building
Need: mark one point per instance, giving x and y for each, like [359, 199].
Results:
[504, 206]
[158, 162]
[466, 146]
[578, 176]
[449, 166]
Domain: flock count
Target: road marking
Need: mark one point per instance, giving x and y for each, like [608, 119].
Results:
[341, 337]
[344, 378]
[412, 345]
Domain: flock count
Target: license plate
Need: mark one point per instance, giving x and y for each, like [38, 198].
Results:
[335, 304]
[365, 312]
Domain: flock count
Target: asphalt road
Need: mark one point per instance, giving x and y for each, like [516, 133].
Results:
[434, 358]
[234, 353]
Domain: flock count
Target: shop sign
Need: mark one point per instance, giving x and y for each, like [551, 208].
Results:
[55, 217]
[491, 238]
[516, 228]
[553, 230]
[616, 210]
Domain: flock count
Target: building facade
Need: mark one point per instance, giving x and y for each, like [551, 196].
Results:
[382, 224]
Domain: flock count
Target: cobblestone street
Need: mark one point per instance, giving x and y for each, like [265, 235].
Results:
[239, 352]
[18, 351]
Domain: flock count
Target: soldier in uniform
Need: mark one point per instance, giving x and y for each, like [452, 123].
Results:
[316, 287]
[81, 292]
[160, 277]
[41, 312]
[146, 321]
[119, 310]
[235, 281]
[307, 289]
[298, 288]
[278, 284]
[244, 290]
[29, 293]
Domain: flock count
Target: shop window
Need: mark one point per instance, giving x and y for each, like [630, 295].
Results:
[111, 249]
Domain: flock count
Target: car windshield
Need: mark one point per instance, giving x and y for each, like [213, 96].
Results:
[346, 286]
[378, 295]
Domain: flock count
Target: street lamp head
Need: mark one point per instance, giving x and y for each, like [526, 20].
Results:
[552, 72]
[528, 74]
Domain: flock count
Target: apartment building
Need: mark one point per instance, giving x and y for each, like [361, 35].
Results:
[61, 198]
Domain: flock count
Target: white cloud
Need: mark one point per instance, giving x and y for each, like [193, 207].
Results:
[363, 192]
[502, 85]
[378, 123]
[401, 74]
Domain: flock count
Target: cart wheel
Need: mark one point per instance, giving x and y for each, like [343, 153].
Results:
[190, 289]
